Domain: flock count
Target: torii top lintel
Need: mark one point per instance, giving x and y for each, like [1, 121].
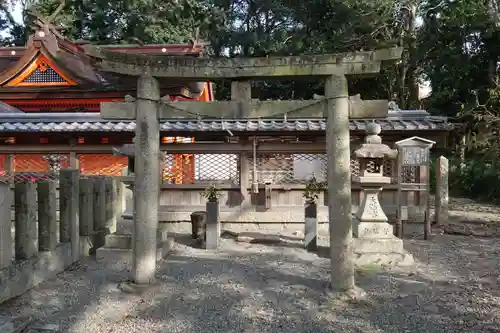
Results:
[353, 63]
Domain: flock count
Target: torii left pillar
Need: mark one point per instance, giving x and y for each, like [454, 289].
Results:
[147, 181]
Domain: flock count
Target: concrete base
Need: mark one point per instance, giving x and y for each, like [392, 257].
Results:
[26, 274]
[124, 256]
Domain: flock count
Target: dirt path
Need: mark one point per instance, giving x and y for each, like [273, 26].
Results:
[266, 288]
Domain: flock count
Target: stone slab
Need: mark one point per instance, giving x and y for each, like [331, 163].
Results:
[383, 259]
[26, 274]
[373, 245]
[125, 256]
[372, 229]
[125, 241]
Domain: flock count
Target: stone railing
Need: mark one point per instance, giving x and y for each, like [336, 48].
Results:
[38, 245]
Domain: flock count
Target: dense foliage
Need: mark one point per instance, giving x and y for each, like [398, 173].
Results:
[453, 44]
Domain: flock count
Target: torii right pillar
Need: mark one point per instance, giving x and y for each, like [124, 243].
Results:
[339, 183]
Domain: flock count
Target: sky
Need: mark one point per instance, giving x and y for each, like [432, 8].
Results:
[17, 12]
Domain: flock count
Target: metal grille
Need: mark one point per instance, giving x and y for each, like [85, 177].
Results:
[44, 76]
[289, 168]
[200, 168]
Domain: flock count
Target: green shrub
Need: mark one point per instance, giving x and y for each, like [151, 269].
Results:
[479, 179]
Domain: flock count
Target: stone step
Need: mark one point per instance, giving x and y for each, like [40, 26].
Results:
[124, 241]
[124, 256]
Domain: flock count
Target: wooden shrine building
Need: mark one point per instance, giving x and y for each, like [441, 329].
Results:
[50, 97]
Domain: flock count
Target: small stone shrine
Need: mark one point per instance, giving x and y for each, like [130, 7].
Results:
[375, 242]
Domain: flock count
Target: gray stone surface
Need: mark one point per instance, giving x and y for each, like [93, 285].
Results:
[311, 227]
[125, 256]
[99, 203]
[111, 200]
[213, 226]
[47, 215]
[26, 234]
[339, 182]
[147, 184]
[124, 241]
[69, 191]
[86, 209]
[372, 229]
[25, 274]
[5, 225]
[442, 191]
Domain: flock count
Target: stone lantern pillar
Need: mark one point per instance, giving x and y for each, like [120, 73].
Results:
[375, 242]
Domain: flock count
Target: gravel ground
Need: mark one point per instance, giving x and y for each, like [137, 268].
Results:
[277, 288]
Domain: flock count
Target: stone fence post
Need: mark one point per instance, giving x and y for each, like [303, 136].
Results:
[311, 226]
[442, 191]
[25, 204]
[47, 215]
[69, 210]
[213, 227]
[5, 225]
[111, 198]
[86, 208]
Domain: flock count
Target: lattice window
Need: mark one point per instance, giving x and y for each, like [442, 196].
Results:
[44, 74]
[390, 170]
[354, 168]
[409, 174]
[200, 168]
[102, 164]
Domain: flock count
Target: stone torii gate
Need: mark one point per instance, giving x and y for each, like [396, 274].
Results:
[149, 108]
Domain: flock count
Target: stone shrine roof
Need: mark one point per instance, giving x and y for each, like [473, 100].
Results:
[92, 122]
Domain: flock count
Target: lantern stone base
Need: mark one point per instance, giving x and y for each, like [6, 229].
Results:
[375, 244]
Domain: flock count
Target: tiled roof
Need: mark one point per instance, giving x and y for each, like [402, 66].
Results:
[92, 122]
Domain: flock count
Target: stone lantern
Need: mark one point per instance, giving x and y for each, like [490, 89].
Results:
[375, 241]
[371, 156]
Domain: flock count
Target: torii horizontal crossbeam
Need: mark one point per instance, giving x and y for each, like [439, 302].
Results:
[247, 110]
[191, 68]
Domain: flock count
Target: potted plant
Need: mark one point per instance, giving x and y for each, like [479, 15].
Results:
[311, 195]
[312, 190]
[212, 193]
[213, 229]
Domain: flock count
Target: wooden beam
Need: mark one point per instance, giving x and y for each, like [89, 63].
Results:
[239, 110]
[352, 63]
[180, 148]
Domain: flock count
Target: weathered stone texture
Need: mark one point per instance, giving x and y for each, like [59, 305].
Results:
[339, 183]
[147, 190]
[26, 220]
[68, 210]
[47, 215]
[5, 225]
[442, 191]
